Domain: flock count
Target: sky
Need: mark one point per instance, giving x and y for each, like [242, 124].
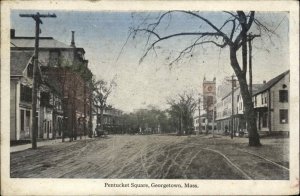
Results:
[111, 54]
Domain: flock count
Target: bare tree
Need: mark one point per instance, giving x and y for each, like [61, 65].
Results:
[182, 108]
[233, 33]
[101, 92]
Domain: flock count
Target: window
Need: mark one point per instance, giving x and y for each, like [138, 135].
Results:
[54, 56]
[50, 127]
[283, 96]
[26, 93]
[283, 116]
[266, 99]
[27, 119]
[255, 101]
[262, 99]
[265, 120]
[209, 101]
[45, 99]
[45, 127]
[22, 120]
[30, 70]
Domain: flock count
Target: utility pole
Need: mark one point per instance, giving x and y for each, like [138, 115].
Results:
[37, 17]
[181, 122]
[199, 119]
[213, 120]
[250, 64]
[232, 102]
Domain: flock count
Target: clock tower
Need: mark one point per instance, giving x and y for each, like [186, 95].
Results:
[209, 96]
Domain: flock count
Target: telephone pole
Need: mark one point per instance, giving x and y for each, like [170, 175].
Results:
[37, 17]
[233, 80]
[199, 119]
[213, 120]
[250, 63]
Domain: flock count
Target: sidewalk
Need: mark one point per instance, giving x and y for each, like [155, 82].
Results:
[40, 143]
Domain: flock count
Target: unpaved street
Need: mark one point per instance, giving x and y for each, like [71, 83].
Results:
[156, 157]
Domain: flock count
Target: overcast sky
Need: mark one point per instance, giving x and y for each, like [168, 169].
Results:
[103, 34]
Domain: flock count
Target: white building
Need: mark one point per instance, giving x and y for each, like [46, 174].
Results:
[271, 103]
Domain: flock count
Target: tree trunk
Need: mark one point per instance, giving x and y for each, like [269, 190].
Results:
[101, 116]
[90, 132]
[247, 99]
[84, 109]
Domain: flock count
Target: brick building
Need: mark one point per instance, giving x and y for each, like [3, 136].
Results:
[63, 94]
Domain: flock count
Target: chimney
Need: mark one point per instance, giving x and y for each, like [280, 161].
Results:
[264, 82]
[12, 33]
[73, 41]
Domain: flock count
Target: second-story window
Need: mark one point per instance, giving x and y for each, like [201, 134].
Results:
[283, 96]
[53, 58]
[266, 99]
[30, 70]
[26, 93]
[45, 99]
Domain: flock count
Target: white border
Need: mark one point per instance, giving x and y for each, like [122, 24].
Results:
[96, 186]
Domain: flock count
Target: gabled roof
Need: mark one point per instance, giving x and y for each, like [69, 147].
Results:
[44, 42]
[228, 94]
[256, 87]
[18, 62]
[271, 82]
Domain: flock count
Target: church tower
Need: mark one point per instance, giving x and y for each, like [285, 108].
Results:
[209, 96]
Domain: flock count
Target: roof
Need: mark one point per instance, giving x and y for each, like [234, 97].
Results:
[236, 88]
[271, 82]
[18, 61]
[44, 42]
[256, 87]
[223, 90]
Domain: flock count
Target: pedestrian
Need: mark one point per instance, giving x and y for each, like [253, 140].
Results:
[226, 129]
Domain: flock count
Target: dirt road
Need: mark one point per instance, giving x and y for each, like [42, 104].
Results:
[156, 157]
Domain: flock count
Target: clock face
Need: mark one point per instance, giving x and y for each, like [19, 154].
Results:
[209, 88]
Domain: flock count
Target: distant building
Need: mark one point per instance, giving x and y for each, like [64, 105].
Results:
[209, 100]
[112, 120]
[209, 94]
[51, 111]
[203, 123]
[224, 111]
